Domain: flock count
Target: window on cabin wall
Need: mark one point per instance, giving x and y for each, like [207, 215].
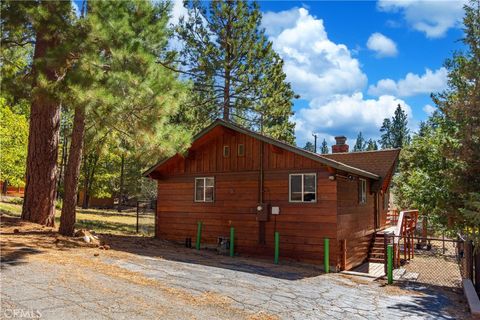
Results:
[241, 150]
[362, 191]
[226, 151]
[386, 197]
[303, 187]
[204, 189]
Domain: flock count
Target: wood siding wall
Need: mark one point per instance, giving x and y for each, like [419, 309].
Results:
[356, 222]
[302, 226]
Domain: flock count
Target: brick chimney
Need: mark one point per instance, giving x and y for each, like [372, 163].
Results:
[340, 145]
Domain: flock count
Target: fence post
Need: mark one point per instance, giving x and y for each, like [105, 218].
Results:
[468, 259]
[390, 264]
[232, 241]
[326, 255]
[277, 249]
[199, 235]
[476, 269]
[137, 214]
[385, 260]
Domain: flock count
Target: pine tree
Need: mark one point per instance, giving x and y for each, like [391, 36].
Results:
[50, 27]
[309, 147]
[440, 169]
[386, 134]
[360, 143]
[233, 68]
[459, 105]
[371, 145]
[324, 147]
[118, 87]
[395, 132]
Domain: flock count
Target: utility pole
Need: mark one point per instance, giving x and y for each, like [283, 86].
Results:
[315, 144]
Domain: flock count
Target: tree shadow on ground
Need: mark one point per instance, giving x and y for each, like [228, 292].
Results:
[440, 302]
[161, 249]
[20, 239]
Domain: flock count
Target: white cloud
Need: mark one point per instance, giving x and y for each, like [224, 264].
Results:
[316, 66]
[346, 115]
[326, 75]
[412, 84]
[429, 109]
[76, 9]
[382, 45]
[434, 18]
[178, 10]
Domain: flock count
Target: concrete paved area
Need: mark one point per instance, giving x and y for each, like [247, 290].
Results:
[206, 286]
[43, 277]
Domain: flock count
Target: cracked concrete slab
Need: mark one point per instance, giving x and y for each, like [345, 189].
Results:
[152, 279]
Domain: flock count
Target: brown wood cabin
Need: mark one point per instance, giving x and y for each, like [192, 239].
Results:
[94, 202]
[234, 177]
[11, 191]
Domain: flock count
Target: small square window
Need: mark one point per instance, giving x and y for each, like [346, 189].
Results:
[362, 191]
[226, 151]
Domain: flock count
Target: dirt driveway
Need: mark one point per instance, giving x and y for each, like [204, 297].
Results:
[48, 277]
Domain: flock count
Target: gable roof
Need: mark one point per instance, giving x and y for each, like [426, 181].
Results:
[310, 155]
[379, 162]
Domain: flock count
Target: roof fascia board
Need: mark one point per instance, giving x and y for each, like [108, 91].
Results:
[329, 162]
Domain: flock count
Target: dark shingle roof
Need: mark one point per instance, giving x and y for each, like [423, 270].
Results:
[379, 162]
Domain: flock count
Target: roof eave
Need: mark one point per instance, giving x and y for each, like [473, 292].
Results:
[328, 162]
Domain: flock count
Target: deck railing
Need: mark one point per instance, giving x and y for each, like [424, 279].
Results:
[405, 230]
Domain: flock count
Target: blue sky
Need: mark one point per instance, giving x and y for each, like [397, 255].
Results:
[353, 62]
[372, 56]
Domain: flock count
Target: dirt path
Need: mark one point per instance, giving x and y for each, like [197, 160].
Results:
[142, 278]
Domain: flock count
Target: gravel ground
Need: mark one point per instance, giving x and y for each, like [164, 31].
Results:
[150, 279]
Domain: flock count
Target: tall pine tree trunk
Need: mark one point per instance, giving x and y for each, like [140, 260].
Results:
[120, 197]
[72, 173]
[85, 182]
[41, 173]
[63, 163]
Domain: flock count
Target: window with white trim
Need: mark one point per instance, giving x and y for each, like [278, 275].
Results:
[204, 189]
[303, 187]
[386, 198]
[362, 191]
[241, 150]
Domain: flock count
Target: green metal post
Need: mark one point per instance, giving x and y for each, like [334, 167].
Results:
[232, 241]
[277, 244]
[326, 253]
[390, 264]
[199, 235]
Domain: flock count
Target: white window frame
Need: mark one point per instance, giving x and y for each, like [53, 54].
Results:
[204, 179]
[362, 191]
[226, 151]
[240, 146]
[303, 185]
[386, 199]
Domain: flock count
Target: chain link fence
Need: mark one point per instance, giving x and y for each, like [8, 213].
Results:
[430, 261]
[146, 217]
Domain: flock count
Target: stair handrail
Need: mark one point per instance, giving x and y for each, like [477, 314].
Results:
[400, 228]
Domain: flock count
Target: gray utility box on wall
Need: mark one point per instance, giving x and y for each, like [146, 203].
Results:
[262, 212]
